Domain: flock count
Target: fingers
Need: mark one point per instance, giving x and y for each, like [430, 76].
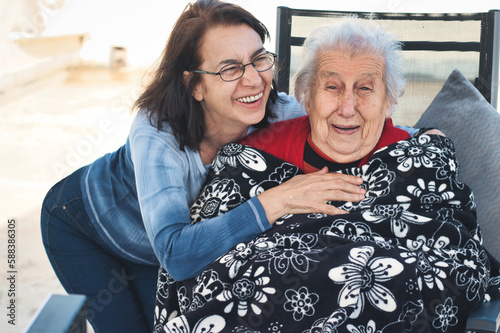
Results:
[310, 194]
[332, 210]
[350, 193]
[434, 131]
[324, 187]
[330, 186]
[330, 176]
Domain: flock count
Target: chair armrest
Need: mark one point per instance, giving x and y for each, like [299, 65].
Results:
[485, 318]
[60, 314]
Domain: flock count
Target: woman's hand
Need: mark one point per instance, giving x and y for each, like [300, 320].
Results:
[434, 131]
[310, 193]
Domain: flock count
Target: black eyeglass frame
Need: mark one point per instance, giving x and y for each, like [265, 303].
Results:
[242, 67]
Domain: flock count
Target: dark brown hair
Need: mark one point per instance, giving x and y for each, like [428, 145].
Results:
[166, 99]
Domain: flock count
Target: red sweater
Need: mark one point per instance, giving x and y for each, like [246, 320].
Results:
[286, 139]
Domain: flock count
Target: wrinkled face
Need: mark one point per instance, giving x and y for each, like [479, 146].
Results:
[348, 105]
[237, 104]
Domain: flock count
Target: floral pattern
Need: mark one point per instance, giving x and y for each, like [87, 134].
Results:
[218, 197]
[446, 315]
[234, 155]
[208, 286]
[406, 258]
[247, 293]
[431, 195]
[300, 302]
[416, 153]
[371, 327]
[363, 278]
[355, 231]
[236, 258]
[377, 180]
[290, 251]
[431, 269]
[212, 324]
[398, 214]
[470, 267]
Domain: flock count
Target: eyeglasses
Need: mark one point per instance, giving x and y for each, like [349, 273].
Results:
[233, 72]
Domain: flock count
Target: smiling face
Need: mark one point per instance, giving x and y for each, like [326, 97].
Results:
[348, 106]
[232, 106]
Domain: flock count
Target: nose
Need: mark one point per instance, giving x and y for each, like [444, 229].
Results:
[251, 76]
[347, 105]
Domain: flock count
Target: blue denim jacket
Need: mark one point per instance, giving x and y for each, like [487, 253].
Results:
[138, 199]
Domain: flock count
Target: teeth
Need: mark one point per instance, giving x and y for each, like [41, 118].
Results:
[250, 99]
[346, 128]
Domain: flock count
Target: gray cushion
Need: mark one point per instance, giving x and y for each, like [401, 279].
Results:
[463, 115]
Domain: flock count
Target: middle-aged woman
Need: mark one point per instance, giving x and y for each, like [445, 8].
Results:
[108, 226]
[406, 258]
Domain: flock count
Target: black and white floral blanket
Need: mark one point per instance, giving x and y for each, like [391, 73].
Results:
[408, 258]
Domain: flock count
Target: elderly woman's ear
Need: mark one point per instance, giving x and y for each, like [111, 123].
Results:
[388, 110]
[307, 105]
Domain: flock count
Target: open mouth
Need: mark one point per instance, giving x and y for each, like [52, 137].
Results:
[344, 128]
[250, 99]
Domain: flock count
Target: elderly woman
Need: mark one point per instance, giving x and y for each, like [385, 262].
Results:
[408, 257]
[349, 80]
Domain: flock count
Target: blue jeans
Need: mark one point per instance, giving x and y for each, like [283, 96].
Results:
[120, 294]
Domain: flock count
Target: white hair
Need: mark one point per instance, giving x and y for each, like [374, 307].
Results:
[352, 36]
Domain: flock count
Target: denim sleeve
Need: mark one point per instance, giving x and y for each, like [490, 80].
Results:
[287, 107]
[163, 173]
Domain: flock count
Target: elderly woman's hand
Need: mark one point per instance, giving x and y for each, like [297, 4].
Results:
[310, 193]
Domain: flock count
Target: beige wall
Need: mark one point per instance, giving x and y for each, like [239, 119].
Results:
[141, 26]
[24, 54]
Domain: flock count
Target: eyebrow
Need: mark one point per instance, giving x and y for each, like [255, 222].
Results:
[326, 74]
[234, 61]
